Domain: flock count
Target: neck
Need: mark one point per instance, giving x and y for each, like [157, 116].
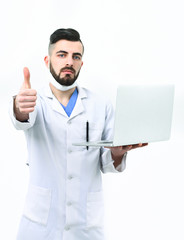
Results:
[62, 96]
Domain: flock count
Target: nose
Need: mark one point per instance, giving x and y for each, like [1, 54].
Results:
[69, 61]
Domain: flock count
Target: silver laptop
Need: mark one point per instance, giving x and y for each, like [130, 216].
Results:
[143, 114]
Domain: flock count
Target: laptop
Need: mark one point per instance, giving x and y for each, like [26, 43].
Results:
[143, 114]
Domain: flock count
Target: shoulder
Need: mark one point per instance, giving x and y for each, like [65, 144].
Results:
[45, 91]
[96, 103]
[93, 96]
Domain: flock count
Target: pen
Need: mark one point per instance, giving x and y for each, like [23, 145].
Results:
[87, 133]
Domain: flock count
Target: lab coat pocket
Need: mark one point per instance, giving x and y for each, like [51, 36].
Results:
[95, 131]
[37, 204]
[80, 129]
[95, 209]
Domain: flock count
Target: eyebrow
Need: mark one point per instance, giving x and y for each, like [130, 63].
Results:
[61, 51]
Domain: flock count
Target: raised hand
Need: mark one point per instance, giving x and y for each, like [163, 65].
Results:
[25, 101]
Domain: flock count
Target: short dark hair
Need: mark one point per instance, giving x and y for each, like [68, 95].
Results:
[65, 34]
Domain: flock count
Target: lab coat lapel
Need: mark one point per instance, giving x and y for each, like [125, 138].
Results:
[79, 107]
[56, 106]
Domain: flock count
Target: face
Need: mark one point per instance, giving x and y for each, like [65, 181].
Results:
[65, 61]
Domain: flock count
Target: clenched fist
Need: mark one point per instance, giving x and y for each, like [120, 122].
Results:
[25, 101]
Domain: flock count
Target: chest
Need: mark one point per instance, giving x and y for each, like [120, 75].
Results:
[56, 123]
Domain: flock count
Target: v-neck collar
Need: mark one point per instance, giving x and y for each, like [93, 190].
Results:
[79, 108]
[71, 104]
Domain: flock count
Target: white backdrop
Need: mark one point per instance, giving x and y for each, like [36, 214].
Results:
[124, 41]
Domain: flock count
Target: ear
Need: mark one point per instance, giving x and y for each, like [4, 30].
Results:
[47, 60]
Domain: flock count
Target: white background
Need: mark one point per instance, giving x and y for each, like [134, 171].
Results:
[124, 41]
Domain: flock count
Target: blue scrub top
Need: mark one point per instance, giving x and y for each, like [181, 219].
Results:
[71, 104]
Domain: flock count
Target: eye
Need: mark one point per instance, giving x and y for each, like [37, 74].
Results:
[61, 55]
[76, 57]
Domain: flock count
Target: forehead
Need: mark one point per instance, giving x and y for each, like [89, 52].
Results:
[68, 46]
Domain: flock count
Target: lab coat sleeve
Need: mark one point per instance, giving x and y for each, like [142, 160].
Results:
[21, 125]
[108, 163]
[106, 157]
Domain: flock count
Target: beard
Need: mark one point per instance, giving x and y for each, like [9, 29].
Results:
[68, 80]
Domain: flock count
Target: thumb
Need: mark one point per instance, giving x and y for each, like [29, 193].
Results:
[26, 84]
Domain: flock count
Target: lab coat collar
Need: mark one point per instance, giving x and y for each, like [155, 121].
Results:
[79, 108]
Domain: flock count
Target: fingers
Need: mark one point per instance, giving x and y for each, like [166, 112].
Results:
[27, 92]
[26, 101]
[23, 98]
[27, 109]
[127, 148]
[139, 145]
[121, 150]
[26, 84]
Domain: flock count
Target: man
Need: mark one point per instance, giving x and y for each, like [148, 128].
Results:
[64, 199]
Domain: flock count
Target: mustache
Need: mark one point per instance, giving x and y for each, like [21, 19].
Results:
[67, 68]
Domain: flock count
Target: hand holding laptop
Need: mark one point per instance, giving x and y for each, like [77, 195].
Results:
[118, 152]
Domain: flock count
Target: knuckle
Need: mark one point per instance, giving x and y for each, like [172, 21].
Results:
[33, 92]
[22, 92]
[22, 99]
[26, 110]
[17, 99]
[34, 98]
[22, 110]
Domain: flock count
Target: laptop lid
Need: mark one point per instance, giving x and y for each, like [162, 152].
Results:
[143, 113]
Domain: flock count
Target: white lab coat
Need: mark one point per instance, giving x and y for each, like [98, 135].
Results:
[65, 199]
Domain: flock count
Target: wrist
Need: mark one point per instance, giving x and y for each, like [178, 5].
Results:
[117, 159]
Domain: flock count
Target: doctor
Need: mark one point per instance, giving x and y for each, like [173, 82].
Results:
[64, 199]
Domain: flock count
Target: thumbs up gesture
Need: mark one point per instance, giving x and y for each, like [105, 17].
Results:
[25, 101]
